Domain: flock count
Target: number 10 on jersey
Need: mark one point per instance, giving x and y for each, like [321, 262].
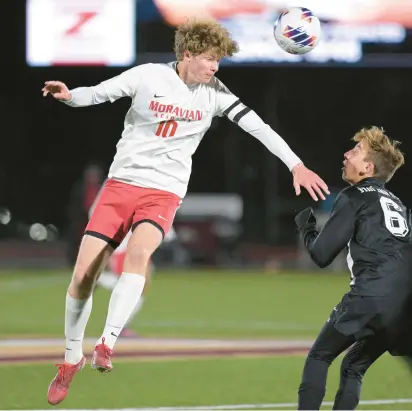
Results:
[166, 128]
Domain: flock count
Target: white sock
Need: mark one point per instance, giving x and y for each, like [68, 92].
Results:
[138, 307]
[76, 318]
[123, 301]
[107, 280]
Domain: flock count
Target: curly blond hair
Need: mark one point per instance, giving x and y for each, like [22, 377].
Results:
[200, 36]
[382, 151]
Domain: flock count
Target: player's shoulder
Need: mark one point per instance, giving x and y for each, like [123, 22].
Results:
[354, 194]
[217, 85]
[367, 191]
[346, 194]
[349, 192]
[357, 191]
[154, 68]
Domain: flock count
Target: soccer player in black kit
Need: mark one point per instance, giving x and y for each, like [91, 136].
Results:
[373, 224]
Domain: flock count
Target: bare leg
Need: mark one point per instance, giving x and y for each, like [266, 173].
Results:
[92, 257]
[128, 290]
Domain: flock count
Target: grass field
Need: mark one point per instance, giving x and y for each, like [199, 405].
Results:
[196, 304]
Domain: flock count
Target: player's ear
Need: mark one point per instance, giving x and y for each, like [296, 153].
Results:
[370, 168]
[187, 55]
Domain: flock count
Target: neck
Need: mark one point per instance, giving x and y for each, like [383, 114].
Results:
[182, 70]
[365, 178]
[362, 179]
[358, 180]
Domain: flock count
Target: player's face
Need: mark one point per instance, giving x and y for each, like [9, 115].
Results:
[355, 166]
[203, 67]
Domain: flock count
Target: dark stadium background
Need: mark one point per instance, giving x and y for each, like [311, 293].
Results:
[46, 145]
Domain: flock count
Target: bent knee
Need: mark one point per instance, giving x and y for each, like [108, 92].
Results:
[353, 370]
[138, 255]
[321, 355]
[92, 257]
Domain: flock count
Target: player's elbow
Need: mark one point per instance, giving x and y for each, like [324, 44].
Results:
[321, 260]
[321, 264]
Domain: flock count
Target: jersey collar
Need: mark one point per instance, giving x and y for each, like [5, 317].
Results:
[372, 180]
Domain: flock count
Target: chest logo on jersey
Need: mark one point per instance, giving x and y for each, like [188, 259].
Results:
[169, 111]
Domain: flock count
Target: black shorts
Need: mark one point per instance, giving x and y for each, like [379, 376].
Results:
[362, 316]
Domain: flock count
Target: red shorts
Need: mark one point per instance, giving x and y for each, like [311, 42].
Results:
[121, 207]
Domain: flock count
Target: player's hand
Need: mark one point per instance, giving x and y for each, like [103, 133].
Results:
[305, 217]
[303, 177]
[57, 89]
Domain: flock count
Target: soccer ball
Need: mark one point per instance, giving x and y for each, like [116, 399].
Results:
[297, 30]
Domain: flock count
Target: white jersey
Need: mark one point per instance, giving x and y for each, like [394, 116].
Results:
[166, 122]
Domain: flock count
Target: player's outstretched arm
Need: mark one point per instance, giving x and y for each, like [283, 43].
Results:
[302, 176]
[324, 246]
[122, 85]
[78, 97]
[229, 105]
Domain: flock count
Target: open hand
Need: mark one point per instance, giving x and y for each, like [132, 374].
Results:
[303, 177]
[57, 89]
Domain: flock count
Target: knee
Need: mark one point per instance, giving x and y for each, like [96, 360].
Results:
[138, 256]
[92, 257]
[82, 283]
[350, 369]
[321, 355]
[83, 278]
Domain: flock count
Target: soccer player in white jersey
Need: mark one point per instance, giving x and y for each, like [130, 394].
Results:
[172, 107]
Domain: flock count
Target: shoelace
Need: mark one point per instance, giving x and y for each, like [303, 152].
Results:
[61, 372]
[106, 350]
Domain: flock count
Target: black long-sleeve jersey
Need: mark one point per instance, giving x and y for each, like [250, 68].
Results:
[374, 225]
